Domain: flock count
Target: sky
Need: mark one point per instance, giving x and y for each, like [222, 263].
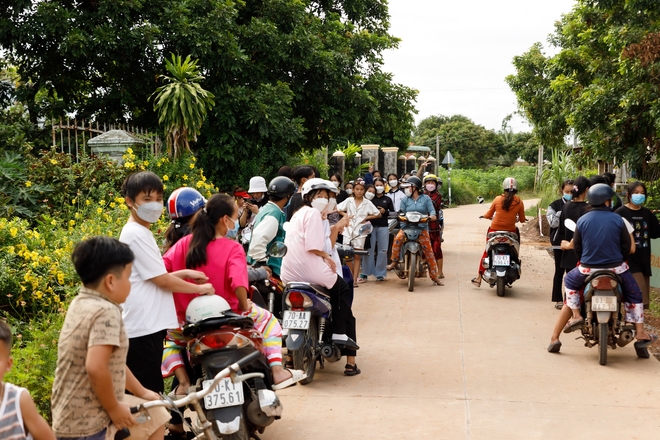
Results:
[457, 53]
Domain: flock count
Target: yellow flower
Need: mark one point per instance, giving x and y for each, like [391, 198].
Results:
[192, 166]
[78, 215]
[73, 202]
[185, 177]
[164, 187]
[123, 207]
[112, 204]
[53, 161]
[194, 159]
[101, 202]
[53, 222]
[200, 184]
[10, 250]
[165, 178]
[119, 199]
[28, 184]
[99, 210]
[129, 150]
[13, 232]
[88, 202]
[145, 163]
[72, 223]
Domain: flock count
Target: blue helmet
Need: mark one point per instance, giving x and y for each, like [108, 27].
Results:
[184, 202]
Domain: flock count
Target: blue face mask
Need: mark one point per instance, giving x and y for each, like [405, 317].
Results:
[568, 197]
[232, 233]
[638, 199]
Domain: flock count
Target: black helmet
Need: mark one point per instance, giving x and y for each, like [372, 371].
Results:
[415, 181]
[281, 187]
[599, 193]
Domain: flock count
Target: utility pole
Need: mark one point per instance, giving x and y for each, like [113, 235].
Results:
[539, 169]
[437, 154]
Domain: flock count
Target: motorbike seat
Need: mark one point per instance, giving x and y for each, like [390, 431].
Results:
[600, 273]
[230, 319]
[321, 290]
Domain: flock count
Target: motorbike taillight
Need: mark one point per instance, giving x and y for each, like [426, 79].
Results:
[216, 340]
[603, 283]
[298, 300]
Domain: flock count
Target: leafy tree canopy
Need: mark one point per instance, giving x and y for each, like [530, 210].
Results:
[287, 75]
[603, 83]
[472, 145]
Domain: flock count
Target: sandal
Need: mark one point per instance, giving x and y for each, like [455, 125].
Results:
[644, 343]
[437, 282]
[296, 376]
[554, 347]
[476, 282]
[351, 370]
[559, 305]
[571, 326]
[361, 280]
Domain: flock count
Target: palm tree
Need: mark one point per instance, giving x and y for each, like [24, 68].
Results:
[181, 104]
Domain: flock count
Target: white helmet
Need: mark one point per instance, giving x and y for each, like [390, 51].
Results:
[317, 183]
[510, 184]
[206, 306]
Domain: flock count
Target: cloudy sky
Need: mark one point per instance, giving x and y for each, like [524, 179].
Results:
[457, 53]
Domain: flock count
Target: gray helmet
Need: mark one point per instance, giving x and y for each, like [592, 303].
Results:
[599, 193]
[415, 181]
[281, 187]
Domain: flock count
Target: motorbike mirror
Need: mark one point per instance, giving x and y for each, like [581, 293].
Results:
[570, 224]
[277, 250]
[365, 229]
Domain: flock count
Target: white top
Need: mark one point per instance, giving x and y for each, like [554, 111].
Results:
[148, 308]
[263, 234]
[359, 213]
[11, 418]
[332, 250]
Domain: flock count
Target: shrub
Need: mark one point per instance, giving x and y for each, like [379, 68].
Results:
[467, 184]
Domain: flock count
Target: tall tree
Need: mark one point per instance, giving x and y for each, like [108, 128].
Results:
[287, 74]
[604, 82]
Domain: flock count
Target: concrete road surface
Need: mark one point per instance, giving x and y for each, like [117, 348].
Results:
[458, 362]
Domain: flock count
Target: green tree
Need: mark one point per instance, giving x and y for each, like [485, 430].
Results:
[182, 104]
[603, 83]
[287, 75]
[471, 145]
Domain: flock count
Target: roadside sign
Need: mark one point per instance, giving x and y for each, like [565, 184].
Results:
[449, 159]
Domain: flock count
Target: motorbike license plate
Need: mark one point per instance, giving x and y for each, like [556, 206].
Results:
[227, 393]
[296, 320]
[501, 260]
[603, 303]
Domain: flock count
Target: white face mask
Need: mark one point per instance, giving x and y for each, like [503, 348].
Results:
[430, 187]
[393, 183]
[335, 183]
[320, 204]
[369, 195]
[149, 212]
[331, 205]
[407, 192]
[380, 189]
[349, 191]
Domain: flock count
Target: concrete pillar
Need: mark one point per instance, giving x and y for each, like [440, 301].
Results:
[338, 162]
[390, 160]
[411, 163]
[401, 165]
[370, 154]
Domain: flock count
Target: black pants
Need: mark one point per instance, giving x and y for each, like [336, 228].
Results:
[145, 354]
[343, 321]
[557, 292]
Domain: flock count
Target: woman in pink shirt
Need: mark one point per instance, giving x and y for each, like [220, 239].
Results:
[223, 261]
[307, 261]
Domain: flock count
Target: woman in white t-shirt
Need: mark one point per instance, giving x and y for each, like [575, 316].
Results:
[360, 210]
[307, 261]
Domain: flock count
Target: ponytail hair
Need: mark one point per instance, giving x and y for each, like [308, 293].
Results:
[177, 229]
[508, 199]
[580, 186]
[203, 225]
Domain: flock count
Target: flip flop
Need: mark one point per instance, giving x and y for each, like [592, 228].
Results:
[646, 342]
[642, 353]
[559, 305]
[571, 326]
[554, 347]
[296, 376]
[476, 282]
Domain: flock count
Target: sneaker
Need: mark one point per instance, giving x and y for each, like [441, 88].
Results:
[380, 278]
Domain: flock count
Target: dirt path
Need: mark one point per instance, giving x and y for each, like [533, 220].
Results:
[457, 362]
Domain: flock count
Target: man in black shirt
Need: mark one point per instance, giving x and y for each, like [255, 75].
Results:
[301, 174]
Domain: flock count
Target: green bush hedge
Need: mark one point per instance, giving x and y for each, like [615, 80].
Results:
[467, 185]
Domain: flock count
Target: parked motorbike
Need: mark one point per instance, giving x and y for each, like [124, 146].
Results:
[229, 377]
[267, 293]
[218, 339]
[604, 312]
[414, 265]
[502, 263]
[307, 318]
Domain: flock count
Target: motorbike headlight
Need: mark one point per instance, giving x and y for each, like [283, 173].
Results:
[414, 217]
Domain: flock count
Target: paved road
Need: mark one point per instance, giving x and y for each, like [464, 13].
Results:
[457, 362]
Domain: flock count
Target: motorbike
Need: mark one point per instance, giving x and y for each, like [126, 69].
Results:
[307, 317]
[502, 263]
[604, 312]
[236, 411]
[228, 377]
[267, 293]
[414, 264]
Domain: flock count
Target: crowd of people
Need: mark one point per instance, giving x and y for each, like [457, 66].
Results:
[115, 349]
